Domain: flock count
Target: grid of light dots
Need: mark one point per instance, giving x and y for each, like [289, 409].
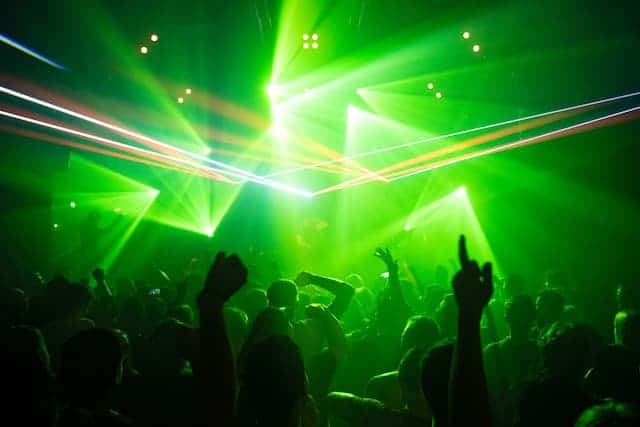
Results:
[314, 44]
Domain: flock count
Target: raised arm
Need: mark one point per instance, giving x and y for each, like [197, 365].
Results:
[469, 398]
[342, 291]
[216, 370]
[102, 287]
[394, 281]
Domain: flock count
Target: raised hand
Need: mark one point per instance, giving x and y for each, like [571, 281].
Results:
[386, 257]
[472, 287]
[304, 279]
[226, 276]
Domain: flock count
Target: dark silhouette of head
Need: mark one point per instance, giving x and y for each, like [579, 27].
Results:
[435, 380]
[420, 331]
[91, 368]
[514, 285]
[26, 378]
[550, 402]
[628, 296]
[520, 314]
[630, 331]
[615, 375]
[549, 307]
[71, 301]
[163, 357]
[570, 351]
[253, 302]
[610, 414]
[275, 380]
[283, 294]
[447, 316]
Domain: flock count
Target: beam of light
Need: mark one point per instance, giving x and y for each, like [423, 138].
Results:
[459, 146]
[106, 141]
[517, 144]
[32, 53]
[582, 126]
[228, 169]
[457, 133]
[160, 163]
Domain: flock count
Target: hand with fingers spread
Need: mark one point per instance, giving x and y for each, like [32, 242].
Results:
[472, 286]
[385, 255]
[226, 276]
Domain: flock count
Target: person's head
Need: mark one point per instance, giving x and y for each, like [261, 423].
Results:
[409, 379]
[184, 313]
[237, 324]
[568, 352]
[610, 414]
[272, 321]
[435, 380]
[549, 307]
[163, 353]
[615, 375]
[420, 331]
[72, 302]
[91, 367]
[275, 380]
[283, 294]
[520, 313]
[513, 286]
[26, 378]
[628, 296]
[550, 402]
[254, 301]
[630, 331]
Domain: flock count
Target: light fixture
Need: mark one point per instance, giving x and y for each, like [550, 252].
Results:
[438, 95]
[315, 45]
[188, 91]
[466, 35]
[476, 48]
[429, 86]
[144, 50]
[154, 37]
[180, 100]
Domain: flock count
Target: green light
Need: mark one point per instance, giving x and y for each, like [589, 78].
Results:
[188, 91]
[438, 95]
[315, 45]
[466, 35]
[476, 48]
[144, 50]
[430, 86]
[209, 231]
[56, 226]
[305, 37]
[305, 45]
[72, 204]
[206, 151]
[154, 38]
[180, 100]
[314, 36]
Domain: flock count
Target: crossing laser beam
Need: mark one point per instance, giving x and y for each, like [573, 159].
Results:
[32, 53]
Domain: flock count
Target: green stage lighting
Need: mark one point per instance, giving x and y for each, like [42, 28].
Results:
[154, 38]
[305, 45]
[144, 50]
[305, 37]
[188, 91]
[438, 95]
[72, 204]
[206, 151]
[315, 45]
[180, 100]
[314, 36]
[476, 48]
[466, 35]
[56, 226]
[430, 86]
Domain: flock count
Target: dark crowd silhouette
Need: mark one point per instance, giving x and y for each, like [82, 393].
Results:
[217, 349]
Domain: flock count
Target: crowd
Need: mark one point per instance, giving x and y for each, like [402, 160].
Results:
[476, 350]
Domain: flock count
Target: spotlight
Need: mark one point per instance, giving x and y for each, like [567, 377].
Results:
[438, 95]
[305, 37]
[305, 45]
[476, 48]
[429, 86]
[466, 35]
[315, 45]
[180, 100]
[188, 91]
[72, 204]
[154, 37]
[208, 231]
[314, 36]
[144, 50]
[56, 226]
